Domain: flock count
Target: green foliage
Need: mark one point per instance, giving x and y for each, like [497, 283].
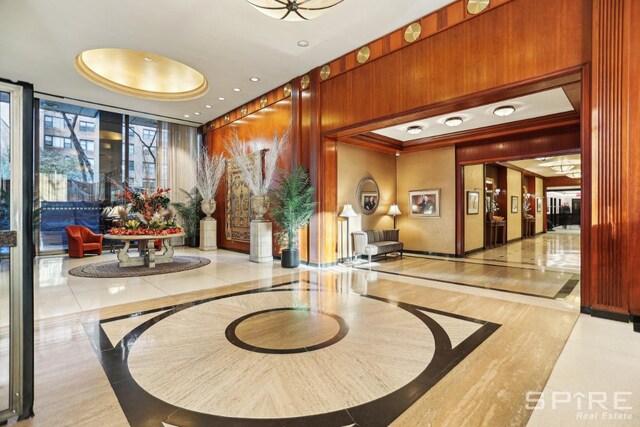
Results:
[190, 211]
[54, 162]
[292, 206]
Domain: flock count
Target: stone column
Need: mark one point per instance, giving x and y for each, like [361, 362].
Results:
[208, 235]
[261, 241]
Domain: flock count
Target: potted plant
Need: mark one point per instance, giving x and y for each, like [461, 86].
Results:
[190, 213]
[291, 209]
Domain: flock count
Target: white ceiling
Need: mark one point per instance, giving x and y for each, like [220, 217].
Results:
[533, 165]
[527, 107]
[226, 40]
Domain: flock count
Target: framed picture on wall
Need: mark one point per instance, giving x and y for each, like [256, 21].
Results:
[425, 203]
[514, 204]
[369, 200]
[539, 204]
[473, 202]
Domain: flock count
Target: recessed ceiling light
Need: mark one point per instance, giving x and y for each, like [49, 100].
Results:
[397, 154]
[453, 121]
[236, 89]
[148, 59]
[254, 79]
[221, 98]
[197, 113]
[303, 43]
[186, 115]
[504, 110]
[414, 130]
[207, 106]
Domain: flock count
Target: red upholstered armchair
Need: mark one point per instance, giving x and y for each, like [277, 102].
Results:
[82, 240]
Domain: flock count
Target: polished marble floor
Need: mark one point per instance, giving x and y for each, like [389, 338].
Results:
[237, 343]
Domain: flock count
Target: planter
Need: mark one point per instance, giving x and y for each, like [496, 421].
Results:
[259, 206]
[192, 241]
[290, 258]
[208, 206]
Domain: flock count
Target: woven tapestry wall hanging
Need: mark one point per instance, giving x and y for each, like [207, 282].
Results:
[238, 206]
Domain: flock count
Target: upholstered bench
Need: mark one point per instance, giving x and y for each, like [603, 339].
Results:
[376, 242]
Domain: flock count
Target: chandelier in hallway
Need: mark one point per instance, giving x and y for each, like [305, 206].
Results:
[293, 10]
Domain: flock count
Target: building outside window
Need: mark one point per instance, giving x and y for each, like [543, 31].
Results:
[86, 126]
[143, 150]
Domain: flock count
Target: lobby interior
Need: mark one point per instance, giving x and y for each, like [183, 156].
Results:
[495, 149]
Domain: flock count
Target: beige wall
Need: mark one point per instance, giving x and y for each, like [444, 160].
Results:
[426, 170]
[474, 224]
[514, 220]
[539, 215]
[355, 163]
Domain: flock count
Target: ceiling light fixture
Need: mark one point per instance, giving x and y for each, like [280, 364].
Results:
[414, 130]
[454, 121]
[562, 167]
[575, 174]
[236, 89]
[303, 43]
[187, 116]
[254, 79]
[197, 113]
[221, 98]
[141, 74]
[293, 10]
[504, 111]
[543, 159]
[207, 106]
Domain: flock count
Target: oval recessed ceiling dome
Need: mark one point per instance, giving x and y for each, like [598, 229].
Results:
[141, 74]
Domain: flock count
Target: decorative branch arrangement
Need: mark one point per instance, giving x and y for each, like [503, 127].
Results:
[250, 165]
[209, 171]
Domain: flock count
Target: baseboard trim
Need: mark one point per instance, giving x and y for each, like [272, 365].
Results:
[406, 251]
[618, 317]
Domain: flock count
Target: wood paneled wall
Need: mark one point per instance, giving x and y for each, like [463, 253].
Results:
[497, 48]
[632, 99]
[609, 144]
[259, 125]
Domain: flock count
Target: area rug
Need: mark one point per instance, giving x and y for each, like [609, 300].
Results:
[110, 269]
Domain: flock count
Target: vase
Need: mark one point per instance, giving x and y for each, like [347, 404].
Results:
[208, 206]
[259, 206]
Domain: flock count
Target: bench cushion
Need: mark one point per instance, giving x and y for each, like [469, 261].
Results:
[383, 247]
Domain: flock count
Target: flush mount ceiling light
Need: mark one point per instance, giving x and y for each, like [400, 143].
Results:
[254, 79]
[293, 10]
[414, 130]
[141, 74]
[504, 111]
[561, 165]
[236, 89]
[303, 43]
[575, 174]
[207, 106]
[453, 121]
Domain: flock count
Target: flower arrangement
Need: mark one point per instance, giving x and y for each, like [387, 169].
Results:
[152, 214]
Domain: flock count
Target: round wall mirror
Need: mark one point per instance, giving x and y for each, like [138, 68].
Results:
[368, 195]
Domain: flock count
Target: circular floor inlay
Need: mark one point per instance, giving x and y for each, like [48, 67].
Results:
[286, 330]
[187, 360]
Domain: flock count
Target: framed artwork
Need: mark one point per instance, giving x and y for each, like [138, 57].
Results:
[539, 204]
[514, 204]
[425, 203]
[473, 202]
[369, 200]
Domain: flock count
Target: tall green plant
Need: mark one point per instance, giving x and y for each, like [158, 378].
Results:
[292, 206]
[190, 211]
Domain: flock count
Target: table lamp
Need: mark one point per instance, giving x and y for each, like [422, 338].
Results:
[348, 212]
[394, 211]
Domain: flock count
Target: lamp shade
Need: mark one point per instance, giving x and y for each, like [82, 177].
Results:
[394, 210]
[293, 10]
[348, 212]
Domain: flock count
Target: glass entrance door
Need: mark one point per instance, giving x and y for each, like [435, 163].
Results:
[11, 255]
